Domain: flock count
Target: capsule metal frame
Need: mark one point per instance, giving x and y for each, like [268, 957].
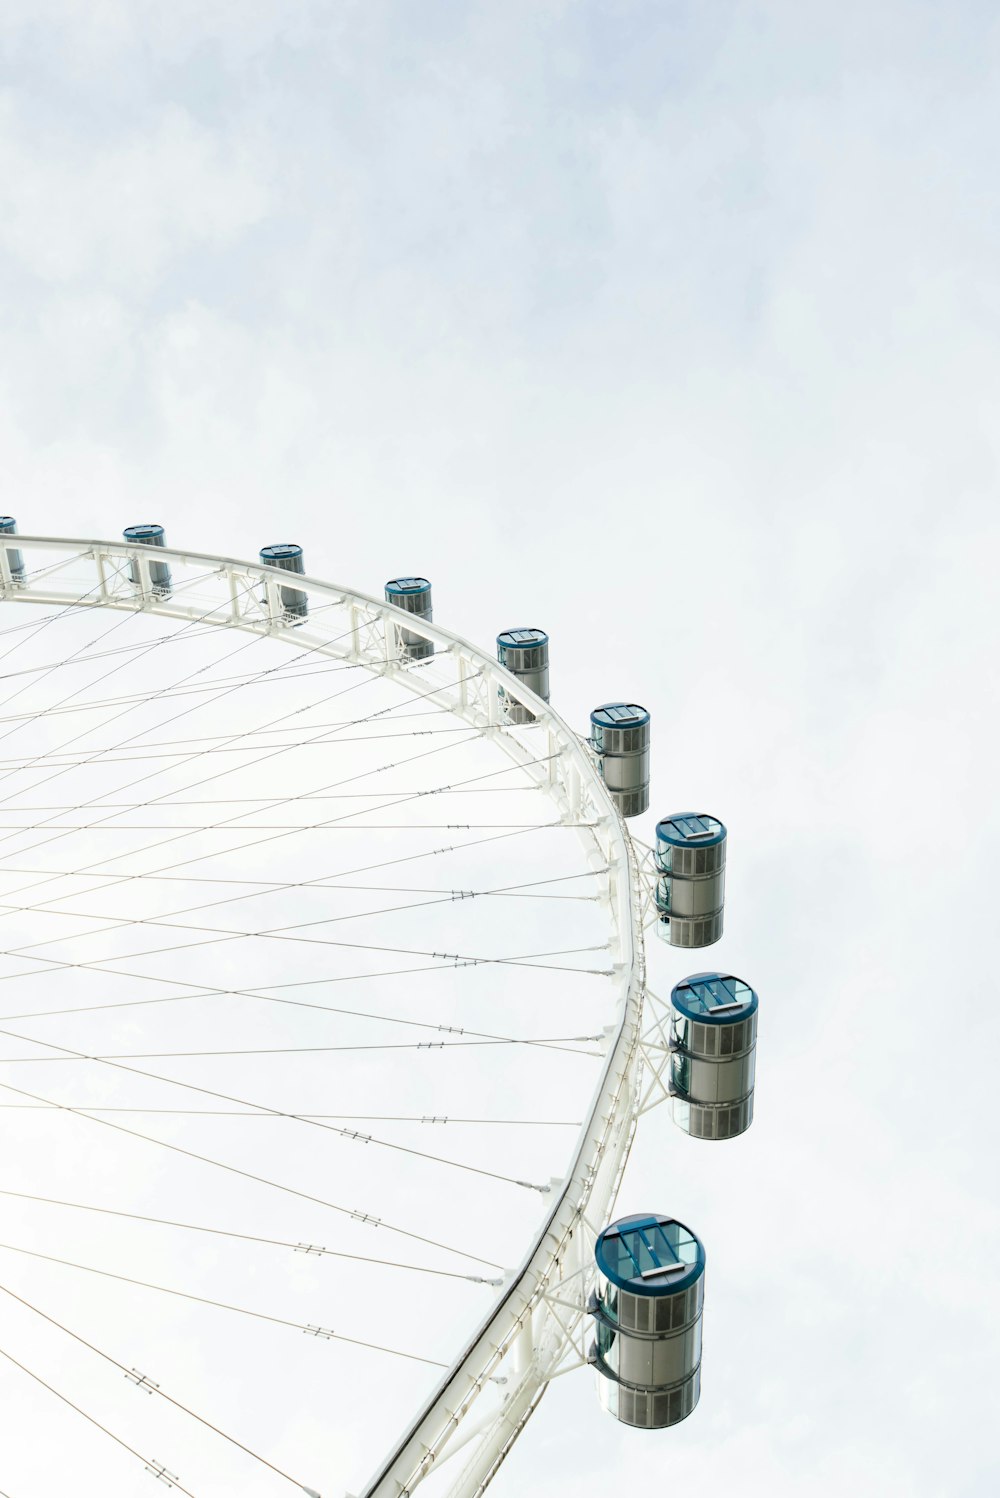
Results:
[690, 855]
[412, 594]
[648, 1313]
[15, 558]
[619, 736]
[159, 572]
[525, 654]
[713, 1050]
[288, 556]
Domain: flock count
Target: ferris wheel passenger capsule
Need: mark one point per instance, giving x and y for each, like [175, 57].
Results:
[287, 556]
[159, 572]
[525, 654]
[647, 1308]
[713, 1041]
[690, 892]
[413, 594]
[619, 735]
[15, 558]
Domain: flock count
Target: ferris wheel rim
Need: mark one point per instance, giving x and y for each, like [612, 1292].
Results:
[598, 1157]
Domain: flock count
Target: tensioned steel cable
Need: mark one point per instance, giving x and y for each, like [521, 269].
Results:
[356, 1216]
[65, 610]
[471, 737]
[263, 803]
[456, 959]
[233, 739]
[327, 1333]
[35, 627]
[146, 699]
[46, 671]
[299, 884]
[180, 689]
[118, 624]
[117, 1063]
[174, 1482]
[208, 738]
[144, 649]
[257, 842]
[352, 1135]
[223, 687]
[450, 897]
[165, 921]
[507, 829]
[265, 993]
[558, 1043]
[283, 667]
[45, 666]
[154, 1388]
[445, 963]
[206, 991]
[417, 1118]
[149, 697]
[316, 1249]
[516, 831]
[567, 1043]
[522, 891]
[252, 680]
[282, 719]
[370, 678]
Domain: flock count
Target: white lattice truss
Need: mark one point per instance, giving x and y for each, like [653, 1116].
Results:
[538, 1328]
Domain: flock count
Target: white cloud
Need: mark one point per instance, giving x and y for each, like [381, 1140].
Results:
[118, 215]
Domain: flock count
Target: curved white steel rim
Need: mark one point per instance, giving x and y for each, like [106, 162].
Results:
[520, 1334]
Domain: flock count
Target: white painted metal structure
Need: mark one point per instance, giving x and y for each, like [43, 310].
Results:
[535, 1331]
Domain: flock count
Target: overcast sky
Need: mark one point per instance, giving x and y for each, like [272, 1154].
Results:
[673, 329]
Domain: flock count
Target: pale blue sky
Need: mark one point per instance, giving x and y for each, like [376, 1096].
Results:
[672, 328]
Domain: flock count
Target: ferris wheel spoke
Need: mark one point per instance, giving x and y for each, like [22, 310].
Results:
[296, 1245]
[175, 1483]
[297, 827]
[251, 1176]
[143, 650]
[224, 739]
[155, 1388]
[218, 689]
[163, 640]
[204, 781]
[350, 1134]
[165, 920]
[221, 1305]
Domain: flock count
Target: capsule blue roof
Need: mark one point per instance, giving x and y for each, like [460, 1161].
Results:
[280, 549]
[714, 998]
[8, 525]
[142, 532]
[650, 1255]
[689, 828]
[619, 715]
[408, 585]
[522, 639]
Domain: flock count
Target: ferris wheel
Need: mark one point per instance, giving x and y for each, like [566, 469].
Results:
[325, 1033]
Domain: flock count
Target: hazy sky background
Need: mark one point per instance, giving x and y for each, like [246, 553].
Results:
[671, 328]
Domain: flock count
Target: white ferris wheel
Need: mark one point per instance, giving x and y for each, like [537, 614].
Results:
[325, 1033]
